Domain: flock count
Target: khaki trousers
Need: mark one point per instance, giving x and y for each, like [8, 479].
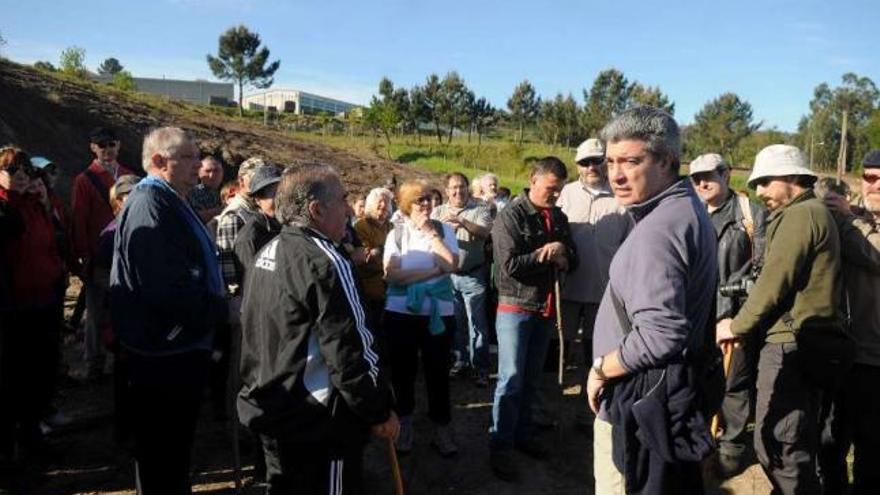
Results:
[609, 481]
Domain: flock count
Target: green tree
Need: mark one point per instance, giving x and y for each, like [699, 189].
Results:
[609, 95]
[432, 98]
[822, 133]
[110, 67]
[46, 66]
[483, 117]
[721, 125]
[123, 81]
[524, 106]
[73, 62]
[650, 96]
[240, 59]
[384, 113]
[453, 101]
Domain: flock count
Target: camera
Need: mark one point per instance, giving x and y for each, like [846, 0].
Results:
[742, 287]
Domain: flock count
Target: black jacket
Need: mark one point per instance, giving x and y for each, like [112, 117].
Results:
[736, 254]
[518, 231]
[310, 367]
[257, 231]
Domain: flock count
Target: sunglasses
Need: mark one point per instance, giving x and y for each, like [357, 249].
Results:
[596, 162]
[762, 182]
[107, 144]
[870, 179]
[424, 199]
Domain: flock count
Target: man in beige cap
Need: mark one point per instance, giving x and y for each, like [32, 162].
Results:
[598, 227]
[800, 289]
[850, 414]
[739, 224]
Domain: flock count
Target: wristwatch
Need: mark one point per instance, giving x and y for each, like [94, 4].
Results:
[597, 367]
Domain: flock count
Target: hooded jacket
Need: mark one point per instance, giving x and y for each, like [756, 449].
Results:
[310, 367]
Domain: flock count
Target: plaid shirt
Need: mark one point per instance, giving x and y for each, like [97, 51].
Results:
[230, 223]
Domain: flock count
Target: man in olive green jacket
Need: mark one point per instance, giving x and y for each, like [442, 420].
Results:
[850, 415]
[801, 278]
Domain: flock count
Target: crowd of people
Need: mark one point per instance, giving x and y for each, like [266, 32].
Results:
[305, 313]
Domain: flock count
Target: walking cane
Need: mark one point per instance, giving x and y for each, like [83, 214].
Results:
[395, 468]
[559, 329]
[727, 349]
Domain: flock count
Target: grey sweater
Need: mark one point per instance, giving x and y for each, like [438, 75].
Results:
[665, 274]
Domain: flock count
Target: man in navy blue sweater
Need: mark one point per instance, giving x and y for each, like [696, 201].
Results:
[166, 298]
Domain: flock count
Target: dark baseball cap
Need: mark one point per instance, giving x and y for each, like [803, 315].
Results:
[264, 176]
[102, 135]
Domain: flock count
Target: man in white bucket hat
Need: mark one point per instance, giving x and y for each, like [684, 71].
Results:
[797, 293]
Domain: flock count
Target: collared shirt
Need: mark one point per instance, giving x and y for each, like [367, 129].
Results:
[598, 227]
[472, 248]
[231, 221]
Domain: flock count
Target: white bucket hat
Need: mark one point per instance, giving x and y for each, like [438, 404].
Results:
[591, 148]
[707, 163]
[779, 160]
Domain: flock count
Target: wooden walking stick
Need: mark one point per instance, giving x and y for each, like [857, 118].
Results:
[727, 349]
[395, 468]
[559, 329]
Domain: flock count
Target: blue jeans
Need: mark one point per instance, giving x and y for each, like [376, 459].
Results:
[471, 333]
[522, 348]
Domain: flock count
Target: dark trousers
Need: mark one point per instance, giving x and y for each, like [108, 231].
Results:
[165, 393]
[408, 336]
[29, 356]
[786, 422]
[738, 399]
[849, 417]
[312, 468]
[220, 369]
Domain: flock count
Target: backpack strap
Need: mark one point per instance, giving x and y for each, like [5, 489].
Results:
[748, 221]
[98, 185]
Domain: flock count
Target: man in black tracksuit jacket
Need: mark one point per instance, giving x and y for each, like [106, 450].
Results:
[312, 381]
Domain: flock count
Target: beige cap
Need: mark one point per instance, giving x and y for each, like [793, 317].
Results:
[707, 163]
[248, 166]
[591, 148]
[779, 160]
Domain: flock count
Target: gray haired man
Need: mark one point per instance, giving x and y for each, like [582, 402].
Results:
[314, 385]
[654, 313]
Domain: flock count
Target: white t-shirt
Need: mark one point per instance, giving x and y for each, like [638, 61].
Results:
[415, 254]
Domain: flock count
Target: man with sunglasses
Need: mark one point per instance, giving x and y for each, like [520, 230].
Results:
[91, 213]
[598, 227]
[800, 287]
[849, 415]
[739, 224]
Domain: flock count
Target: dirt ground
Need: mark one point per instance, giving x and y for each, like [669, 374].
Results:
[83, 458]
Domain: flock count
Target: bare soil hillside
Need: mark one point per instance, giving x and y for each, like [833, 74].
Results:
[51, 115]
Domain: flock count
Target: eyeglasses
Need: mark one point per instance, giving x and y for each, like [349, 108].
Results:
[107, 144]
[596, 162]
[870, 179]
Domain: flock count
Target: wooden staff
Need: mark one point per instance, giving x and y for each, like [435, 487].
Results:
[559, 329]
[395, 468]
[727, 349]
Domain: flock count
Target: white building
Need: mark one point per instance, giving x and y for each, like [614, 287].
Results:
[198, 91]
[295, 101]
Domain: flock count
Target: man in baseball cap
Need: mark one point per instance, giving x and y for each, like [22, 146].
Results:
[801, 288]
[740, 225]
[847, 426]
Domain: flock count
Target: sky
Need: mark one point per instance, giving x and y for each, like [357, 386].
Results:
[771, 53]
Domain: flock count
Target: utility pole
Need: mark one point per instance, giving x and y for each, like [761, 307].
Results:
[841, 157]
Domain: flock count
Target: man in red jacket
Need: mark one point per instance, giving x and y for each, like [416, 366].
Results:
[91, 213]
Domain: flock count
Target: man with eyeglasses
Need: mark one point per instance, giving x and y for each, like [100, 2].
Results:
[798, 291]
[850, 414]
[599, 226]
[739, 224]
[91, 213]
